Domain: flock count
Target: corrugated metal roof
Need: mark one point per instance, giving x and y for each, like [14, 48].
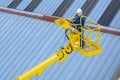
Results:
[99, 9]
[23, 4]
[5, 2]
[52, 5]
[25, 42]
[116, 21]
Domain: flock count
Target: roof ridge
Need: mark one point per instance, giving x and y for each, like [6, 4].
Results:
[51, 18]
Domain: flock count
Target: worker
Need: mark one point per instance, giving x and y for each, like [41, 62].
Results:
[80, 21]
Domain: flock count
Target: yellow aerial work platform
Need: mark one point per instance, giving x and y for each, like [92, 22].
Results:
[91, 48]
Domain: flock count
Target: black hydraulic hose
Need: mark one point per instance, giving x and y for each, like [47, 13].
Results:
[66, 31]
[71, 49]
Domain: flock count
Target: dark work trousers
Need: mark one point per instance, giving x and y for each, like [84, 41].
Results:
[81, 42]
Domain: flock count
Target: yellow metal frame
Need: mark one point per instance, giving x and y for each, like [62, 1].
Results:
[92, 47]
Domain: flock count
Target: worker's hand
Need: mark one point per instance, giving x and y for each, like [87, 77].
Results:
[71, 21]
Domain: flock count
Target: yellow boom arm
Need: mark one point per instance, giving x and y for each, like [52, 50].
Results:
[60, 56]
[37, 70]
